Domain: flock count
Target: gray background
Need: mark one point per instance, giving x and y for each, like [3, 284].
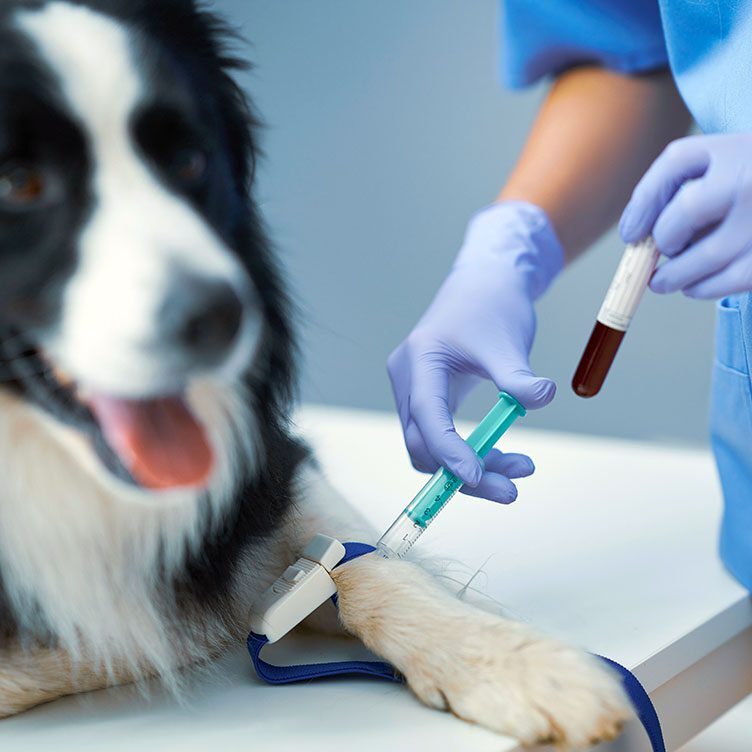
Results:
[386, 128]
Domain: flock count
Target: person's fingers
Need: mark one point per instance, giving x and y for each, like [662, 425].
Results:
[511, 373]
[511, 464]
[493, 487]
[680, 161]
[420, 457]
[693, 210]
[734, 279]
[705, 258]
[429, 408]
[398, 369]
[500, 467]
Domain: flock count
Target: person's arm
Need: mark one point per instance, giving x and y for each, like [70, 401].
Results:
[594, 137]
[596, 133]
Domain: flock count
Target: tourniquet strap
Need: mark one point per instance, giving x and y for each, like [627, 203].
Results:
[272, 674]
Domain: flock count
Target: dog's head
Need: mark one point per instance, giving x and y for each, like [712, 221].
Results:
[132, 266]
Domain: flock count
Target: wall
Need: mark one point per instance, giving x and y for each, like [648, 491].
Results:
[386, 129]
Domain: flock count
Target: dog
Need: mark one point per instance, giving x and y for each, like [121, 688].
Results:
[152, 486]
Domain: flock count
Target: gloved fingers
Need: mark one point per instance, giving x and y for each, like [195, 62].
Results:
[398, 369]
[500, 467]
[511, 464]
[735, 278]
[696, 207]
[705, 258]
[494, 487]
[513, 375]
[420, 457]
[429, 408]
[680, 161]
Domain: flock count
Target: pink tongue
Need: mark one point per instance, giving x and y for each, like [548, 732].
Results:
[159, 441]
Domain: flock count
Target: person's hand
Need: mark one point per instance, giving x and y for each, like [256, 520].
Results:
[697, 201]
[481, 324]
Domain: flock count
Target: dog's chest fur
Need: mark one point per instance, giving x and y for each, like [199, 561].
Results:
[90, 570]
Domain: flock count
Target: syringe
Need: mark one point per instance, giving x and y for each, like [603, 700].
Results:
[433, 497]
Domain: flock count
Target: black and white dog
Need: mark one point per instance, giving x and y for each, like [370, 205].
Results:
[150, 487]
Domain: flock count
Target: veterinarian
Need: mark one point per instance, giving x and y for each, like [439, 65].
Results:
[626, 74]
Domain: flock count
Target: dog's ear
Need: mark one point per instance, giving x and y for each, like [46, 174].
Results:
[220, 48]
[196, 33]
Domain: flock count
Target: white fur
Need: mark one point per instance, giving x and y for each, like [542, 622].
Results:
[80, 558]
[484, 668]
[138, 232]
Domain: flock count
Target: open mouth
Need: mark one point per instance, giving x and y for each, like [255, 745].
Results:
[154, 443]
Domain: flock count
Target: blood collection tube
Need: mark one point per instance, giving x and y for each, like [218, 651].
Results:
[624, 294]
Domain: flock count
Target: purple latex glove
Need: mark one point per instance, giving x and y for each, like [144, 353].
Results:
[480, 325]
[697, 201]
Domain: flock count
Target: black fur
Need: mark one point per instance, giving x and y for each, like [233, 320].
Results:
[36, 256]
[196, 45]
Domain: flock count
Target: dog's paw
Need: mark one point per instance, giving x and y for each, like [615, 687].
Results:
[483, 668]
[502, 676]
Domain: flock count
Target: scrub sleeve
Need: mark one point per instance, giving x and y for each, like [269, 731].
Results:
[540, 39]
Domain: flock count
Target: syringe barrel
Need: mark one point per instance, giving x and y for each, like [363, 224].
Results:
[432, 498]
[400, 537]
[443, 485]
[495, 424]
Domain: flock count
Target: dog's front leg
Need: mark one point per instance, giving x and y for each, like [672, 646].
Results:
[484, 668]
[30, 677]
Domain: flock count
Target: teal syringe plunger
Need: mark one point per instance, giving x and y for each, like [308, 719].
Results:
[433, 497]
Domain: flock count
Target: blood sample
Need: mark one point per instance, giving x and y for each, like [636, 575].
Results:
[624, 294]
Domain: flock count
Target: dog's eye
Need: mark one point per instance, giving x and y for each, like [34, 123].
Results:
[189, 166]
[22, 187]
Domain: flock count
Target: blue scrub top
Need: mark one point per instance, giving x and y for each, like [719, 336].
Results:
[706, 43]
[708, 46]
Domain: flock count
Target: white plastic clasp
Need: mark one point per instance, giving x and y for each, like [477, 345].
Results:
[299, 590]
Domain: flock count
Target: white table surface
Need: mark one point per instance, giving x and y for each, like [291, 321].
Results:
[611, 545]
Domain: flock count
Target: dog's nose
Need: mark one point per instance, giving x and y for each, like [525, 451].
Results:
[202, 318]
